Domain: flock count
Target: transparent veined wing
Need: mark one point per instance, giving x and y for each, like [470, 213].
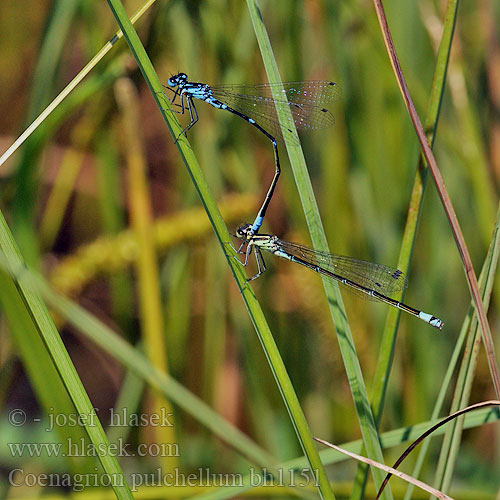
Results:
[382, 279]
[306, 101]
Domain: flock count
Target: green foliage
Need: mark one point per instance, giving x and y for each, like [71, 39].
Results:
[66, 196]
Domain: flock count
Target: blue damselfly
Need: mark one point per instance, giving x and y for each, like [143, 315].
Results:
[257, 105]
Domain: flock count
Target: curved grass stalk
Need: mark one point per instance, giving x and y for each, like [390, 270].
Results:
[452, 440]
[386, 352]
[445, 199]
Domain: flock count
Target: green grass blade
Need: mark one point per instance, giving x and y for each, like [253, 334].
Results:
[256, 314]
[43, 376]
[57, 30]
[113, 221]
[415, 208]
[62, 362]
[318, 238]
[444, 196]
[127, 403]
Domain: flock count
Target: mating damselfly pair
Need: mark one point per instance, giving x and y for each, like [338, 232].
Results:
[305, 103]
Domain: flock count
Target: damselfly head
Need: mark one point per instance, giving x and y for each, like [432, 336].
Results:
[178, 79]
[243, 231]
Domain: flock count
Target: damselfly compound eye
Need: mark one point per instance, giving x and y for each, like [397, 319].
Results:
[242, 231]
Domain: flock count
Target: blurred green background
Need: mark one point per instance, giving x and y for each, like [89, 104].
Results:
[68, 197]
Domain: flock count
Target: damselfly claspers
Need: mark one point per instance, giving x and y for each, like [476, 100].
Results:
[374, 281]
[257, 105]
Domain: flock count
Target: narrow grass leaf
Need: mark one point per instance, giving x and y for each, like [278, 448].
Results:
[318, 238]
[71, 86]
[69, 377]
[275, 362]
